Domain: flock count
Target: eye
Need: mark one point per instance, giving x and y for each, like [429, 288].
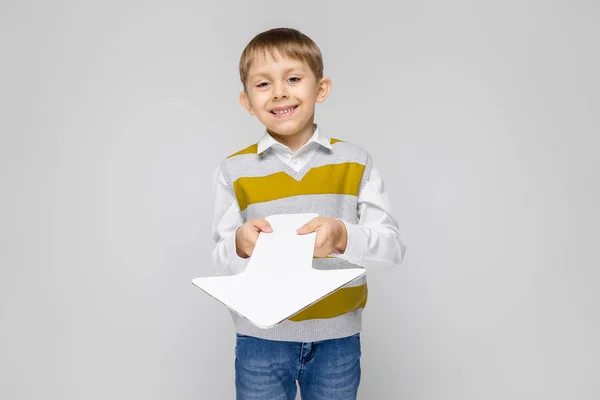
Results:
[294, 79]
[262, 84]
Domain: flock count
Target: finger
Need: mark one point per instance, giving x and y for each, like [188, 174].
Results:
[321, 240]
[321, 252]
[252, 242]
[262, 225]
[309, 227]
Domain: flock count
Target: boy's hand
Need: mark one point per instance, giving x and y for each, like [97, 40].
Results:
[247, 234]
[332, 236]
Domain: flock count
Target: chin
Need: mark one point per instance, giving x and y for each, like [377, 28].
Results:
[284, 129]
[286, 132]
[288, 128]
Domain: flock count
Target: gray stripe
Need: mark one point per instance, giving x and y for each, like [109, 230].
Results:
[366, 173]
[333, 265]
[341, 206]
[253, 165]
[304, 331]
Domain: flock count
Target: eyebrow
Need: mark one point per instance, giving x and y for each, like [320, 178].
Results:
[285, 72]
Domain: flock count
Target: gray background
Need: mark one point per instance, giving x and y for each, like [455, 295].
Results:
[482, 117]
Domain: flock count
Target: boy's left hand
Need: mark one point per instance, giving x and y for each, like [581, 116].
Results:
[331, 237]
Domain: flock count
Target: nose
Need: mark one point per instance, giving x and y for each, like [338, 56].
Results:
[279, 91]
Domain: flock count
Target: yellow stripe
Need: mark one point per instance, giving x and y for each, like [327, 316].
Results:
[252, 149]
[337, 303]
[334, 140]
[341, 178]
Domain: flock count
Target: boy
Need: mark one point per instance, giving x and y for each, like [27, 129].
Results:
[294, 168]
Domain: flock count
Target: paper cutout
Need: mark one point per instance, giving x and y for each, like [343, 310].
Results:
[279, 280]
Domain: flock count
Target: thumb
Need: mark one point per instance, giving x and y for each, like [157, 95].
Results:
[309, 227]
[263, 225]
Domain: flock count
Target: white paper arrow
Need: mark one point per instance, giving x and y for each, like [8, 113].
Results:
[279, 280]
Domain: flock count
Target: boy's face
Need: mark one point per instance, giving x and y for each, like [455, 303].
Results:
[282, 94]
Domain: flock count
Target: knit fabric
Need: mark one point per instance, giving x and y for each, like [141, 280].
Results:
[328, 185]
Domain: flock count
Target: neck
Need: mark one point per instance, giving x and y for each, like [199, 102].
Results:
[296, 140]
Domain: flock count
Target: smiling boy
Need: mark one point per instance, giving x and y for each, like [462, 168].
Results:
[295, 168]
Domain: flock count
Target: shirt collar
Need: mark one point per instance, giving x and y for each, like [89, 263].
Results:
[267, 140]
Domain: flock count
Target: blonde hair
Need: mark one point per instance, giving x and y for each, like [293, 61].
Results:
[286, 42]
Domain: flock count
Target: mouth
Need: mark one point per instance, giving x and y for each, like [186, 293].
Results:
[283, 112]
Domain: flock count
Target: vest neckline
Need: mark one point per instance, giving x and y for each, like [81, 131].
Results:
[298, 176]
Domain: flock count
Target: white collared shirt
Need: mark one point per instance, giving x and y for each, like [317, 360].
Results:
[374, 241]
[298, 159]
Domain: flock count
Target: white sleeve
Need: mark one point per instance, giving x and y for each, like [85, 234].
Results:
[226, 219]
[375, 241]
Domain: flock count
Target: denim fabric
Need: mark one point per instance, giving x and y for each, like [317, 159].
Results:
[324, 370]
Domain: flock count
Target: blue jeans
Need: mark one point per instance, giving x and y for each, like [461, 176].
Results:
[269, 370]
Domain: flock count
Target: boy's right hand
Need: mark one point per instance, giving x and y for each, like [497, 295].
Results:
[247, 235]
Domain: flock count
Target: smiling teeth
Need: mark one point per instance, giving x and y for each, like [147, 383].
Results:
[279, 112]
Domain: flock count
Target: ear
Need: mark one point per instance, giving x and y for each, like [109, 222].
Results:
[245, 102]
[323, 89]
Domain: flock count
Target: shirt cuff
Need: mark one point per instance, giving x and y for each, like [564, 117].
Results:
[357, 242]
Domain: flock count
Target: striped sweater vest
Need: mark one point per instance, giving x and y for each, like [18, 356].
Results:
[328, 185]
